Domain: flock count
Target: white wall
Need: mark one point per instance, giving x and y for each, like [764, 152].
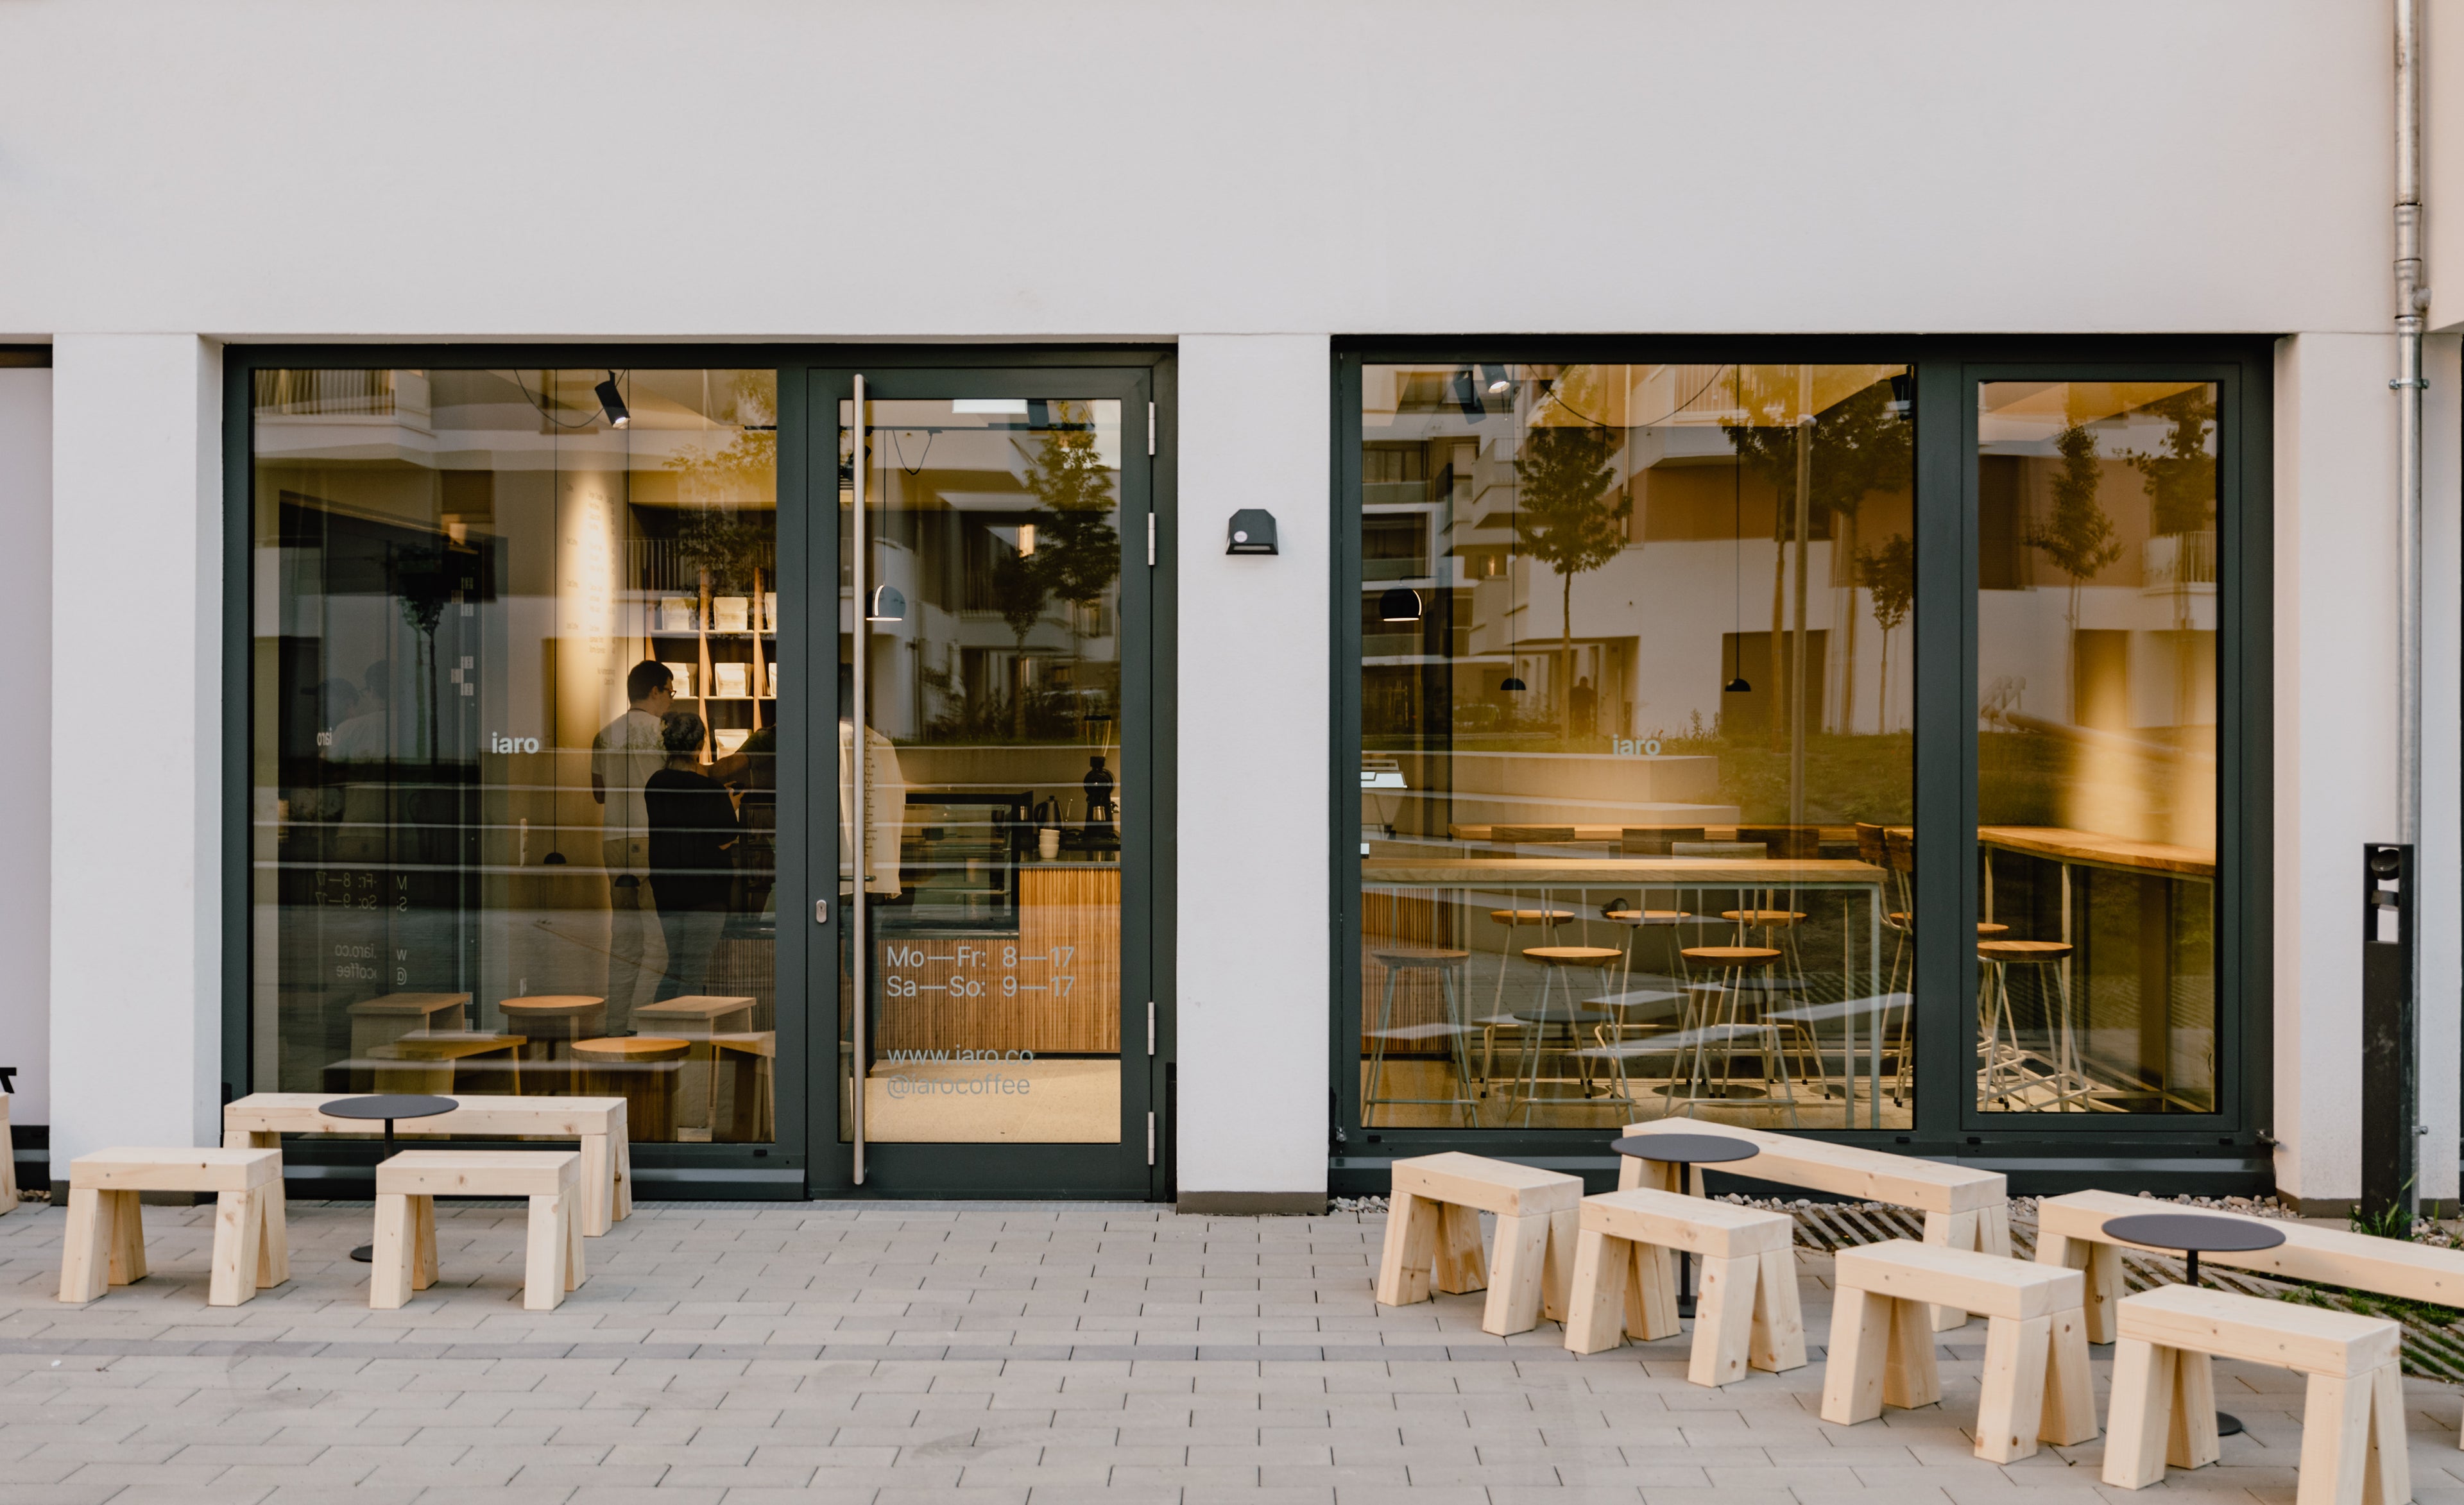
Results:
[26, 756]
[2336, 686]
[1253, 968]
[1106, 169]
[1114, 167]
[137, 713]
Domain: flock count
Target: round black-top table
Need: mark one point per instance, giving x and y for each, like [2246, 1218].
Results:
[389, 1106]
[1686, 1152]
[2190, 1232]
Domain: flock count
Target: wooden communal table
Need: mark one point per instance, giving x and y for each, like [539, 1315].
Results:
[1462, 876]
[260, 1120]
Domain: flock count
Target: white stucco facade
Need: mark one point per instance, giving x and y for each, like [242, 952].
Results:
[1246, 184]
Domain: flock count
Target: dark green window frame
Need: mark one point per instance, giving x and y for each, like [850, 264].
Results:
[2227, 1150]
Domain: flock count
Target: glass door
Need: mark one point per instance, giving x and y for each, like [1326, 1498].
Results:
[992, 685]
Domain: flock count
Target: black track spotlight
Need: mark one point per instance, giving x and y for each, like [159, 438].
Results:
[1500, 383]
[1903, 392]
[1399, 604]
[612, 402]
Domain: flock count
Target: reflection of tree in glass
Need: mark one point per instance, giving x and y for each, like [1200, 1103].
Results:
[718, 485]
[1860, 446]
[1890, 574]
[1565, 517]
[1078, 552]
[424, 580]
[2078, 538]
[2181, 480]
[2181, 476]
[1017, 595]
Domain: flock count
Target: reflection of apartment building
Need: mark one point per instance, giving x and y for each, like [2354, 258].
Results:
[1177, 662]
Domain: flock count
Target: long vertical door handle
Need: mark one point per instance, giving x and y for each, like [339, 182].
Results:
[858, 977]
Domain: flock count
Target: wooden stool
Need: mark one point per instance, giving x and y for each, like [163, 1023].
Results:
[430, 1061]
[644, 1070]
[106, 1233]
[2164, 1405]
[1725, 1022]
[1625, 1281]
[752, 1077]
[2003, 1077]
[1450, 967]
[1555, 962]
[549, 1018]
[596, 1124]
[408, 1185]
[1433, 1235]
[1543, 920]
[2036, 1379]
[389, 1016]
[7, 1160]
[696, 1018]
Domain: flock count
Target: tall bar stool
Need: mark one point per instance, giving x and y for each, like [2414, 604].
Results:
[1638, 919]
[1780, 929]
[2005, 1061]
[1455, 1031]
[1726, 1019]
[1559, 1006]
[1900, 857]
[1546, 920]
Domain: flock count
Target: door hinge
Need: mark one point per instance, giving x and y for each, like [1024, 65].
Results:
[1151, 1139]
[821, 912]
[1151, 426]
[1151, 539]
[1150, 1026]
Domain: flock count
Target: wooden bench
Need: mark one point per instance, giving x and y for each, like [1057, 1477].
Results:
[408, 1185]
[2037, 1379]
[1962, 1207]
[1625, 1281]
[2164, 1403]
[2070, 1231]
[598, 1126]
[1433, 1232]
[106, 1244]
[8, 1159]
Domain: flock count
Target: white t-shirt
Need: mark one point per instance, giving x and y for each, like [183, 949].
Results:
[885, 796]
[623, 757]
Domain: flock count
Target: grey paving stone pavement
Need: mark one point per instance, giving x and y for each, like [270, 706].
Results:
[1010, 1354]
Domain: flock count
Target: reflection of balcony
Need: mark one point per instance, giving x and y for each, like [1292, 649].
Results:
[2178, 560]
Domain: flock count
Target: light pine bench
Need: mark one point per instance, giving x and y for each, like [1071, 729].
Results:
[105, 1242]
[2164, 1405]
[1747, 1312]
[2070, 1231]
[408, 1185]
[597, 1124]
[2036, 1384]
[1962, 1207]
[1433, 1236]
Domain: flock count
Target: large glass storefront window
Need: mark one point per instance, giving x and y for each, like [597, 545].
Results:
[1636, 772]
[515, 700]
[2095, 745]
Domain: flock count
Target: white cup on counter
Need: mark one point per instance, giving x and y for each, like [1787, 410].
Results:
[1047, 844]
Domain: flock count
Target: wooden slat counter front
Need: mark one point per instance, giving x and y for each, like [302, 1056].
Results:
[1054, 986]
